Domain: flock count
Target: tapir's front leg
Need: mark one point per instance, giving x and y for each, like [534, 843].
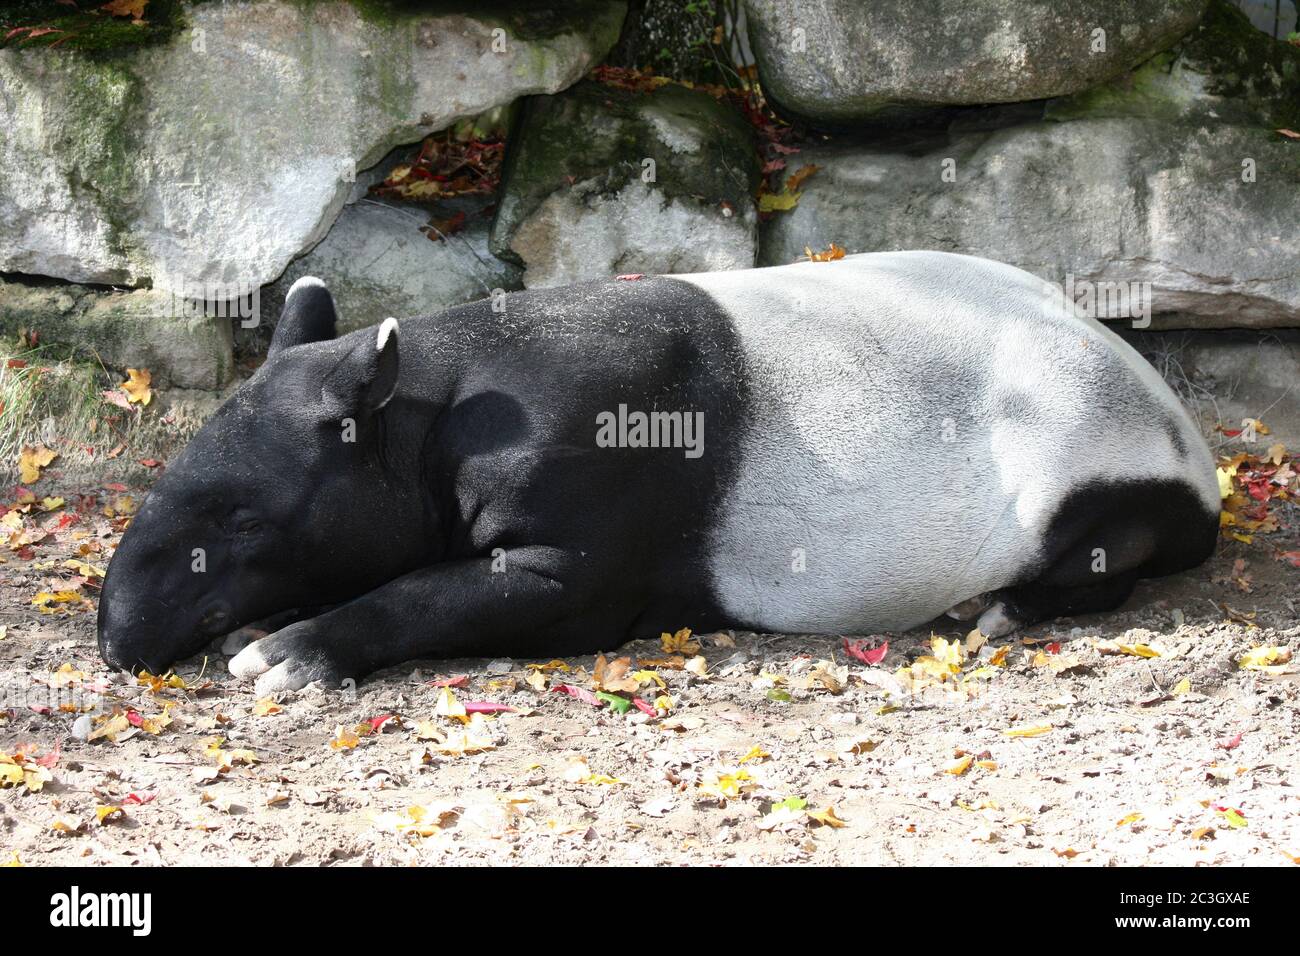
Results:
[461, 608]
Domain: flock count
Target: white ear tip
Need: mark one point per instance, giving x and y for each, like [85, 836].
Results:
[304, 283]
[386, 328]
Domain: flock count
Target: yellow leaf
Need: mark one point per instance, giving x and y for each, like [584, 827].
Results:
[755, 753]
[1130, 819]
[832, 254]
[646, 677]
[555, 665]
[778, 202]
[1233, 816]
[32, 459]
[961, 766]
[137, 386]
[698, 666]
[987, 764]
[1225, 476]
[999, 658]
[103, 814]
[449, 706]
[1031, 731]
[1271, 660]
[826, 817]
[344, 739]
[1184, 686]
[536, 680]
[664, 702]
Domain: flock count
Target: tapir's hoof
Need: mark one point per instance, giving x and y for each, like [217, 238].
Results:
[289, 659]
[997, 621]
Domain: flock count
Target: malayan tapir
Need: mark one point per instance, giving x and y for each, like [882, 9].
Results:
[827, 447]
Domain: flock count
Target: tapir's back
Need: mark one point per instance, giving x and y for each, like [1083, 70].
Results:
[917, 418]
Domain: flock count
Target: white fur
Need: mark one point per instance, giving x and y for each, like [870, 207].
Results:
[849, 364]
[303, 283]
[386, 328]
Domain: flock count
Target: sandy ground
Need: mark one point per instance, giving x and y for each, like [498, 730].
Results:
[1179, 758]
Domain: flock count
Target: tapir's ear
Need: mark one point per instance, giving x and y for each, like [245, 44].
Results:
[366, 380]
[308, 316]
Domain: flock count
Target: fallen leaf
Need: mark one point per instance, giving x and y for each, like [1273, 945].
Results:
[961, 766]
[32, 459]
[1031, 731]
[827, 818]
[137, 386]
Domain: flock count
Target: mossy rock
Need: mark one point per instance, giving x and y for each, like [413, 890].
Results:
[141, 329]
[604, 137]
[1225, 70]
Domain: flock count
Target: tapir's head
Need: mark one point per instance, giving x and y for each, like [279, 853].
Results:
[272, 504]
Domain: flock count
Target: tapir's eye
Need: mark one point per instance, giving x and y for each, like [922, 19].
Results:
[248, 526]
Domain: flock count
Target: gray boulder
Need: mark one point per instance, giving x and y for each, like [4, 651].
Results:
[600, 181]
[377, 262]
[1174, 174]
[841, 61]
[213, 159]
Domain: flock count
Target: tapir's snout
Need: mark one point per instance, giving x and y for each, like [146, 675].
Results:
[149, 632]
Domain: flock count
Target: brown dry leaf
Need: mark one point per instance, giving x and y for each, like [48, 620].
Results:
[265, 707]
[612, 676]
[679, 643]
[826, 818]
[32, 459]
[137, 386]
[828, 255]
[1289, 133]
[126, 8]
[795, 179]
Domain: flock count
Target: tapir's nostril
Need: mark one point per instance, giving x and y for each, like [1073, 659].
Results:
[215, 618]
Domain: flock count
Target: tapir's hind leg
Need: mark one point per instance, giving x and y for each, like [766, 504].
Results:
[1102, 540]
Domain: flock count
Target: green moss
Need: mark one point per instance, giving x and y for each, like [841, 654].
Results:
[86, 30]
[1243, 62]
[1225, 56]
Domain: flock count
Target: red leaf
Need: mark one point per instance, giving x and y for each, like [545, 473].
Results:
[16, 363]
[631, 277]
[135, 719]
[870, 656]
[486, 707]
[51, 758]
[150, 462]
[1291, 557]
[586, 696]
[1053, 648]
[114, 486]
[460, 680]
[644, 707]
[1232, 744]
[140, 798]
[378, 722]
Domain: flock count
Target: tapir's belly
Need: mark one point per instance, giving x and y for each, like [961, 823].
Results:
[915, 420]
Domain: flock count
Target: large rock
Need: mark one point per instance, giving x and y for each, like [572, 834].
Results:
[147, 329]
[378, 262]
[840, 61]
[576, 204]
[1227, 376]
[1173, 175]
[215, 158]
